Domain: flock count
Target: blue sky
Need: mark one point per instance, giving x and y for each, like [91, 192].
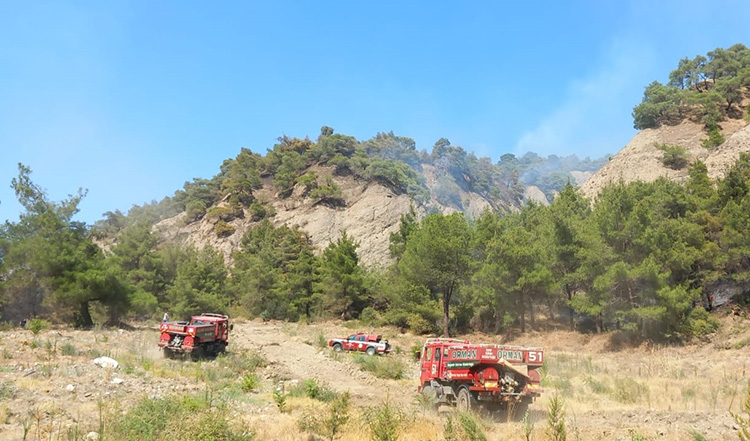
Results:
[131, 99]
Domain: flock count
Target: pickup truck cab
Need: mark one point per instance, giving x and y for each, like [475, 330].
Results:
[370, 344]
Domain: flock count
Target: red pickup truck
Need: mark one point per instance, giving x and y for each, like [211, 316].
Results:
[370, 344]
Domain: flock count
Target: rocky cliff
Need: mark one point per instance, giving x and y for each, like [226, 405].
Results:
[640, 160]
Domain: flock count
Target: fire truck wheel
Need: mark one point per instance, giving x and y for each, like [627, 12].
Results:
[337, 347]
[464, 401]
[370, 351]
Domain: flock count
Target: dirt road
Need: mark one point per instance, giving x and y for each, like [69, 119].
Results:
[48, 381]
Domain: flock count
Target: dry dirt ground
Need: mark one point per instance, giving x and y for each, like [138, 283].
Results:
[48, 381]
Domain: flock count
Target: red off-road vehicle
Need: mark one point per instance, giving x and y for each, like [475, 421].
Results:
[205, 334]
[370, 344]
[497, 377]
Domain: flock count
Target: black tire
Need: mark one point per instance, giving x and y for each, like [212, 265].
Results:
[517, 410]
[464, 400]
[371, 351]
[337, 347]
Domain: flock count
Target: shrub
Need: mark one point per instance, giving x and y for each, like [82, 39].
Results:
[628, 390]
[37, 325]
[68, 349]
[674, 157]
[463, 426]
[311, 389]
[250, 382]
[329, 193]
[743, 418]
[715, 138]
[189, 417]
[257, 211]
[279, 397]
[384, 422]
[556, 430]
[223, 229]
[388, 368]
[332, 422]
[195, 210]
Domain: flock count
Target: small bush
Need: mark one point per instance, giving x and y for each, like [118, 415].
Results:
[715, 138]
[37, 325]
[463, 426]
[381, 367]
[250, 382]
[743, 418]
[332, 422]
[596, 386]
[384, 422]
[311, 389]
[628, 390]
[279, 397]
[674, 157]
[556, 430]
[189, 418]
[257, 211]
[195, 210]
[68, 349]
[223, 229]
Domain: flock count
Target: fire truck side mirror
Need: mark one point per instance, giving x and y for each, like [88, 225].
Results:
[417, 355]
[231, 326]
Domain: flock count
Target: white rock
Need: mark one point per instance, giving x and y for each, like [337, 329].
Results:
[117, 380]
[70, 388]
[93, 436]
[106, 362]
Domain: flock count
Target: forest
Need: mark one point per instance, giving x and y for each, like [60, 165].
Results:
[641, 260]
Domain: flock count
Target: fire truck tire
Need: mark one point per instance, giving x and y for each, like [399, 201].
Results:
[430, 394]
[518, 410]
[464, 401]
[337, 347]
[371, 351]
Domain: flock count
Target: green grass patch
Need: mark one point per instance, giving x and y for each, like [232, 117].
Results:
[628, 390]
[189, 418]
[381, 367]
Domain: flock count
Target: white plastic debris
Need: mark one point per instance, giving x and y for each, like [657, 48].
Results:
[106, 362]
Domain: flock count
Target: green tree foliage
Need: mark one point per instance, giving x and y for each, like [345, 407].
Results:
[274, 273]
[51, 264]
[199, 285]
[674, 157]
[342, 288]
[137, 262]
[697, 87]
[438, 256]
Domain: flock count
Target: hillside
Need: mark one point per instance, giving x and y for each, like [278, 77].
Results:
[640, 160]
[339, 184]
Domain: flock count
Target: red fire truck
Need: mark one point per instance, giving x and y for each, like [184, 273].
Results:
[204, 334]
[466, 375]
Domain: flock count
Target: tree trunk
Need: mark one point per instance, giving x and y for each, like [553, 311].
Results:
[598, 320]
[569, 294]
[446, 317]
[523, 313]
[532, 319]
[86, 320]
